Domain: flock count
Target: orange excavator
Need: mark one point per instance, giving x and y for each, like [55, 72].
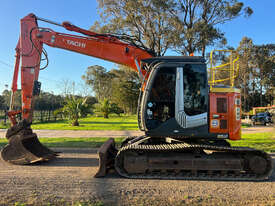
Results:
[186, 119]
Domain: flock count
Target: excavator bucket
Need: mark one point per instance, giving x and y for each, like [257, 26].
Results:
[25, 148]
[107, 153]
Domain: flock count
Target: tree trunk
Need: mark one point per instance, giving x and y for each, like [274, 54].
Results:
[75, 123]
[5, 117]
[203, 51]
[261, 93]
[244, 94]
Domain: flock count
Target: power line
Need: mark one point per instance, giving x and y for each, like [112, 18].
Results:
[53, 80]
[8, 65]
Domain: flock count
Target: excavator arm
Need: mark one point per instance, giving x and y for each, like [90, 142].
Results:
[30, 48]
[24, 146]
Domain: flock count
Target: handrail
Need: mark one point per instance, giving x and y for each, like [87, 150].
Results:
[232, 67]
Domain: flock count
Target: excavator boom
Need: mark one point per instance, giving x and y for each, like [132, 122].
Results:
[24, 146]
[30, 48]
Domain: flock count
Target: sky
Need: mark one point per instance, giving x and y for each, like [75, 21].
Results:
[69, 66]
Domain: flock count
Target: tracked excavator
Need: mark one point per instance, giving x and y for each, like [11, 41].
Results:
[187, 119]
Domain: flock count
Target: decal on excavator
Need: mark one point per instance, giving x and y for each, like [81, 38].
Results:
[76, 43]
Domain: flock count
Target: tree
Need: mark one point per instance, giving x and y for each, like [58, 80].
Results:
[196, 21]
[100, 81]
[48, 101]
[74, 108]
[67, 87]
[119, 86]
[256, 73]
[116, 109]
[144, 23]
[156, 25]
[17, 99]
[245, 75]
[264, 60]
[125, 89]
[2, 103]
[104, 107]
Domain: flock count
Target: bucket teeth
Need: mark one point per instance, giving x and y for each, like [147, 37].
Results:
[107, 153]
[25, 148]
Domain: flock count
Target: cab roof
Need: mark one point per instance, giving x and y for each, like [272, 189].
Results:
[188, 59]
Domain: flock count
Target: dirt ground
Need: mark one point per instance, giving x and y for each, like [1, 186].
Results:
[69, 179]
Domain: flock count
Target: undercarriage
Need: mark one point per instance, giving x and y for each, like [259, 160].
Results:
[177, 159]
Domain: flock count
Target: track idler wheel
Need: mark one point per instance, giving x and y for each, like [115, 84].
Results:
[24, 147]
[258, 164]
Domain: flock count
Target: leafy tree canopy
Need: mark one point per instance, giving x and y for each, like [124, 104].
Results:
[186, 26]
[145, 23]
[196, 23]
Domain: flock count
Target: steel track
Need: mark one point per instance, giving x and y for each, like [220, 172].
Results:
[194, 175]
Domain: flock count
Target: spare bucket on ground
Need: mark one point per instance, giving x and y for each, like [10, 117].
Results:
[24, 147]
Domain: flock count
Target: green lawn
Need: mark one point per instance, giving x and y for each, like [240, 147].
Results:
[246, 125]
[94, 123]
[91, 123]
[262, 141]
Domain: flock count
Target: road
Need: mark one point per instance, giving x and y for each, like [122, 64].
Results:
[102, 133]
[69, 179]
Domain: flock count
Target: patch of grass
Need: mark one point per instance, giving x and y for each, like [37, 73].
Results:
[3, 125]
[88, 204]
[262, 141]
[19, 204]
[246, 125]
[93, 123]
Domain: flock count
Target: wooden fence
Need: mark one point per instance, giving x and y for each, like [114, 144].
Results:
[38, 116]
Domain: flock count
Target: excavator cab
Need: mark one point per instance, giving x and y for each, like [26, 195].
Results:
[175, 100]
[174, 103]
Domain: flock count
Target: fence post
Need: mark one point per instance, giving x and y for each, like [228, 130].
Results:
[5, 117]
[41, 116]
[49, 115]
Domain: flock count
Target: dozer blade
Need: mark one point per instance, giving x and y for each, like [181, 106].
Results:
[26, 149]
[107, 153]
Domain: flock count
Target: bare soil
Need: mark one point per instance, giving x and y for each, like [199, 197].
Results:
[69, 179]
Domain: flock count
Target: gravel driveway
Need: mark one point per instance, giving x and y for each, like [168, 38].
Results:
[69, 179]
[104, 133]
